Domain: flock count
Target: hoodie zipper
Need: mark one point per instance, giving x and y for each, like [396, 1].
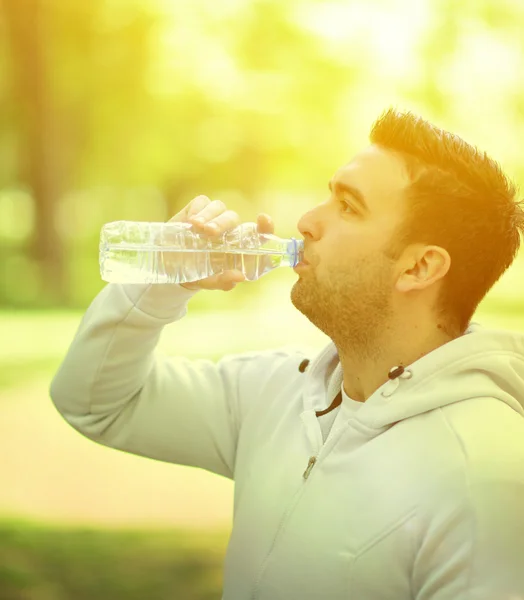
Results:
[310, 465]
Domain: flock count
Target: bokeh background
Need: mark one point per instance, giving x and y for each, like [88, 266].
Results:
[127, 109]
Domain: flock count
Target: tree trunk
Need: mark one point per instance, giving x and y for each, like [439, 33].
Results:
[39, 144]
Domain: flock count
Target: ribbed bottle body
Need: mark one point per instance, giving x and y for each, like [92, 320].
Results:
[143, 252]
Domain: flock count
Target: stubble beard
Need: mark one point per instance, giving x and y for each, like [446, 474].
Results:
[353, 309]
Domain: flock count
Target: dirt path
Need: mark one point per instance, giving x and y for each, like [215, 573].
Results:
[50, 473]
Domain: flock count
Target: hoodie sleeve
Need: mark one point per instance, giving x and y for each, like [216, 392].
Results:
[117, 390]
[474, 549]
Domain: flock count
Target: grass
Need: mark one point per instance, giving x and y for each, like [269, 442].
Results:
[35, 344]
[53, 563]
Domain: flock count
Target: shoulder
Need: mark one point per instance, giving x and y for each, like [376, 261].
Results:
[489, 435]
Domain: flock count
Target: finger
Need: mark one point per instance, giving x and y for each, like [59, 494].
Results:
[223, 222]
[194, 207]
[209, 211]
[226, 280]
[231, 276]
[197, 205]
[265, 224]
[236, 275]
[230, 279]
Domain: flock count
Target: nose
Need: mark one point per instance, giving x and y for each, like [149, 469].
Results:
[307, 228]
[303, 226]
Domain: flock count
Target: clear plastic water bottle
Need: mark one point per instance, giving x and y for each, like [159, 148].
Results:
[172, 252]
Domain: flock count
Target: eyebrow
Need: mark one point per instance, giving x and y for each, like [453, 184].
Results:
[355, 192]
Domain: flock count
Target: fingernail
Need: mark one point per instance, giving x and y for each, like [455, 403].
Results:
[213, 226]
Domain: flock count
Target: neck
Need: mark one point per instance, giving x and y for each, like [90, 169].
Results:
[366, 369]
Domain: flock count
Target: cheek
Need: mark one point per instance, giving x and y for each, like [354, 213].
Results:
[351, 247]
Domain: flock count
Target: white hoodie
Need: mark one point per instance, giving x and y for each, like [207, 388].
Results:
[418, 493]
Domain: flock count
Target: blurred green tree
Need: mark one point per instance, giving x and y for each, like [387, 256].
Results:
[126, 110]
[65, 70]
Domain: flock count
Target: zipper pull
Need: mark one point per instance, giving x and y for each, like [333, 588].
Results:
[310, 464]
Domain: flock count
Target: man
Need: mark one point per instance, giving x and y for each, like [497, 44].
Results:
[392, 466]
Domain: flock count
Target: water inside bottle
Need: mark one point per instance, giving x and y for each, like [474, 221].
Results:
[134, 263]
[143, 252]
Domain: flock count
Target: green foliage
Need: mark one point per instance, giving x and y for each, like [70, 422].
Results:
[45, 563]
[128, 110]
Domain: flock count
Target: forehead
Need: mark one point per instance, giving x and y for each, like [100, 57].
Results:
[380, 175]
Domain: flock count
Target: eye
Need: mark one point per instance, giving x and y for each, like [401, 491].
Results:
[347, 205]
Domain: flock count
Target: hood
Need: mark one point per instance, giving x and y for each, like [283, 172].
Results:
[481, 363]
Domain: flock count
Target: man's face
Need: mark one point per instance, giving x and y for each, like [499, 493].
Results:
[347, 289]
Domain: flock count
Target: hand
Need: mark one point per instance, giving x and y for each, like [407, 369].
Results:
[226, 220]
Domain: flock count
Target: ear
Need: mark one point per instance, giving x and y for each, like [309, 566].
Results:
[426, 266]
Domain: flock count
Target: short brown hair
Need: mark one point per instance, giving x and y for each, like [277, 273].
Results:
[460, 200]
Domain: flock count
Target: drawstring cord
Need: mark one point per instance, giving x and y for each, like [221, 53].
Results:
[395, 375]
